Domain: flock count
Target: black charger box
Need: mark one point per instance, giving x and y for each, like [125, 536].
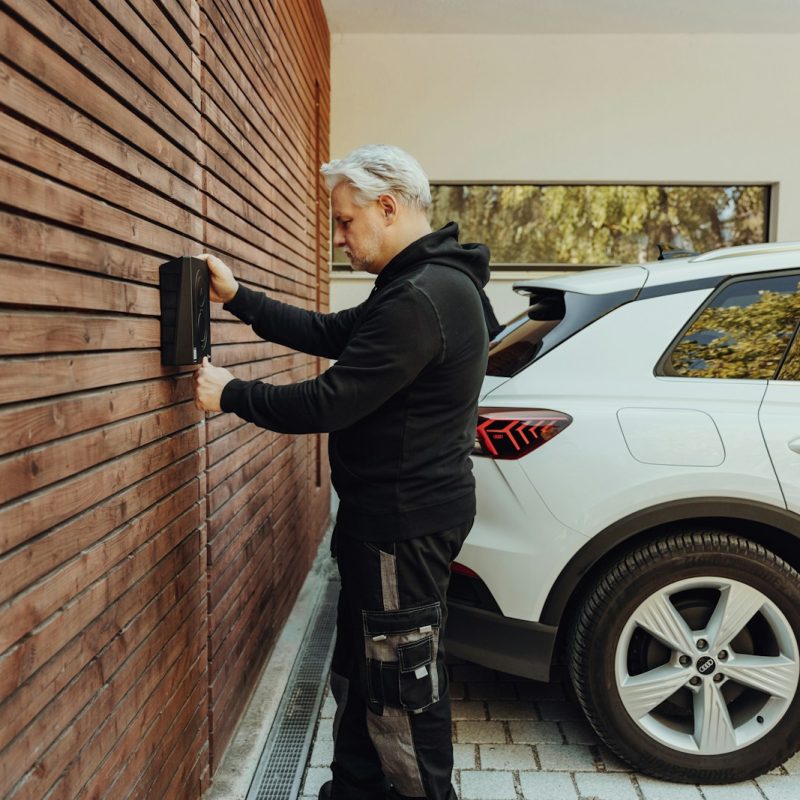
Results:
[185, 311]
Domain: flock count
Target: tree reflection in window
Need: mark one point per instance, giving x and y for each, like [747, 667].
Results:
[593, 224]
[744, 333]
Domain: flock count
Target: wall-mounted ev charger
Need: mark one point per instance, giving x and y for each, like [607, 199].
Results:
[185, 311]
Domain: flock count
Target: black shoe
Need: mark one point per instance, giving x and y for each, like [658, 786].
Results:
[326, 792]
[392, 794]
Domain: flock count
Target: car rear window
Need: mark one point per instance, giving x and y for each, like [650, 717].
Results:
[518, 343]
[551, 318]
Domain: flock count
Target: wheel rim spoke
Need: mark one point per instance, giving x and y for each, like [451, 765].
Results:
[640, 694]
[761, 654]
[737, 605]
[661, 619]
[774, 675]
[713, 729]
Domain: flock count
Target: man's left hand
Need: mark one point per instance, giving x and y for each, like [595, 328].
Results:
[209, 381]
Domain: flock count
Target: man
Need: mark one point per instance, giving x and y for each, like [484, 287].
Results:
[400, 406]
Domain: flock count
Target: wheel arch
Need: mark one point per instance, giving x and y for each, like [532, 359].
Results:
[774, 528]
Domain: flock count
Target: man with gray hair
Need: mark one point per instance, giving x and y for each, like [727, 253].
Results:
[400, 403]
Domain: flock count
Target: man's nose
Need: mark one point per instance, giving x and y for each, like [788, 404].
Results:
[338, 238]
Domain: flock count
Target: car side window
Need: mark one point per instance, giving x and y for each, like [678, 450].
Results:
[743, 332]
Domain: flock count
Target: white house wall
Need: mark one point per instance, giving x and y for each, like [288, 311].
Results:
[583, 108]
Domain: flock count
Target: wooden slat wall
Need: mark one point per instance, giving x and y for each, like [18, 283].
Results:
[148, 555]
[265, 210]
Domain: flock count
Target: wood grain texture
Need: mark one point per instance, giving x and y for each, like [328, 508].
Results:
[149, 553]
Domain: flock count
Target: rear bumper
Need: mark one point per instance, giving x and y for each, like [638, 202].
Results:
[509, 645]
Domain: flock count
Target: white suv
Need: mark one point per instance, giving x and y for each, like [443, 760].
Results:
[638, 471]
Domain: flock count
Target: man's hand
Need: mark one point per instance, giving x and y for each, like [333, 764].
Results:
[223, 285]
[209, 381]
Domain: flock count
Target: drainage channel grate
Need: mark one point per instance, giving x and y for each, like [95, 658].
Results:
[283, 760]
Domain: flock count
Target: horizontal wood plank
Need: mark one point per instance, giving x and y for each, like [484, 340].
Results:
[47, 376]
[62, 163]
[24, 566]
[32, 333]
[31, 55]
[150, 551]
[129, 41]
[143, 24]
[29, 193]
[180, 597]
[48, 288]
[132, 589]
[25, 518]
[34, 469]
[49, 111]
[53, 244]
[126, 695]
[107, 73]
[35, 609]
[131, 759]
[33, 423]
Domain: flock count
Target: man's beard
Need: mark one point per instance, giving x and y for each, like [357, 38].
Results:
[361, 263]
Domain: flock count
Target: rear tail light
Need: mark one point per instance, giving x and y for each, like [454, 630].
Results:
[460, 569]
[467, 588]
[513, 433]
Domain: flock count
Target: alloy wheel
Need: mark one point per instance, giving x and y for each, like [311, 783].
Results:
[707, 665]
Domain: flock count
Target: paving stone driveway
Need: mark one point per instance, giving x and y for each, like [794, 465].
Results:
[517, 739]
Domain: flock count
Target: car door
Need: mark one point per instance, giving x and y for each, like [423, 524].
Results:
[745, 342]
[779, 417]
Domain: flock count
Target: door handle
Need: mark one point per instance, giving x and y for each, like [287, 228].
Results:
[794, 445]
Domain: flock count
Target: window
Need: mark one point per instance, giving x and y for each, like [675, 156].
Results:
[742, 333]
[518, 344]
[552, 317]
[528, 224]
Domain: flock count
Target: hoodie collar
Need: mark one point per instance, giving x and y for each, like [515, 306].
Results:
[440, 247]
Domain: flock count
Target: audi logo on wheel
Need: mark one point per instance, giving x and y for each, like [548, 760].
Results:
[705, 665]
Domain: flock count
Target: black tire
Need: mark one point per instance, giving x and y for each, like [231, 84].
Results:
[610, 649]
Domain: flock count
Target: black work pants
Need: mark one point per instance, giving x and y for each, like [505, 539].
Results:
[388, 675]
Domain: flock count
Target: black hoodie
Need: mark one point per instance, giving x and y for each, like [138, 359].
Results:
[400, 401]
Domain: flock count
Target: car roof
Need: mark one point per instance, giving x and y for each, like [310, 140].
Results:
[592, 281]
[713, 264]
[726, 262]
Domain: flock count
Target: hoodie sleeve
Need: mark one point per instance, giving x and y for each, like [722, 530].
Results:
[310, 332]
[400, 337]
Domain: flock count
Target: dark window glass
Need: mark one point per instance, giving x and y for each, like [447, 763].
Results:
[551, 318]
[742, 333]
[519, 342]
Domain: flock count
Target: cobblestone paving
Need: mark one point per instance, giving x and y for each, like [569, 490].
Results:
[522, 740]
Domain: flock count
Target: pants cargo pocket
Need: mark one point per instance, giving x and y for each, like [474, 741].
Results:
[416, 665]
[382, 684]
[401, 649]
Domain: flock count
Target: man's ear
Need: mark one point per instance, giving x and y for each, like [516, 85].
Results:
[388, 206]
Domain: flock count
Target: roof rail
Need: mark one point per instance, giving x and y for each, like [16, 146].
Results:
[747, 250]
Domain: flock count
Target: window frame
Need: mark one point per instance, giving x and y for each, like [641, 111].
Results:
[660, 369]
[770, 219]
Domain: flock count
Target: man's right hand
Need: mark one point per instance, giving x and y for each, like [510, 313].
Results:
[223, 285]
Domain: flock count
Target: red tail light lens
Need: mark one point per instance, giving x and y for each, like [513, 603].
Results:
[460, 569]
[513, 433]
